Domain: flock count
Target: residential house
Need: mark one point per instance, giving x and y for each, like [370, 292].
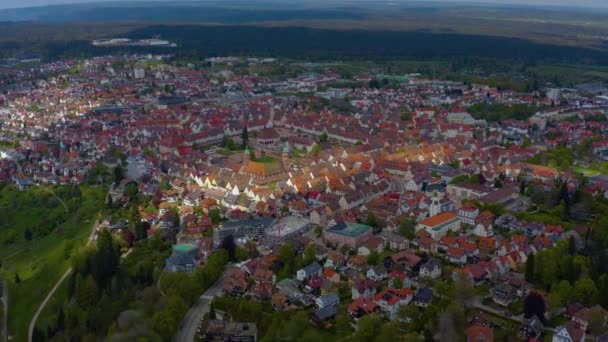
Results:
[377, 272]
[402, 276]
[358, 262]
[309, 271]
[363, 288]
[423, 297]
[404, 260]
[487, 246]
[425, 242]
[395, 241]
[331, 275]
[457, 255]
[468, 213]
[375, 243]
[582, 317]
[362, 306]
[262, 291]
[531, 329]
[335, 259]
[331, 299]
[430, 269]
[502, 294]
[236, 282]
[324, 314]
[389, 300]
[280, 302]
[483, 224]
[480, 333]
[568, 333]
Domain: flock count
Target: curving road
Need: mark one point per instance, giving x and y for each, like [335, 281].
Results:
[188, 326]
[30, 332]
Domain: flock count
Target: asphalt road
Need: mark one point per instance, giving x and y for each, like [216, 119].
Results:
[188, 326]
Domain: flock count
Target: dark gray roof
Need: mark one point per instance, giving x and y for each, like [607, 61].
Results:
[256, 222]
[326, 312]
[312, 268]
[424, 294]
[430, 264]
[330, 298]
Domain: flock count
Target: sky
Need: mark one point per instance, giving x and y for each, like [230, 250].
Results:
[576, 3]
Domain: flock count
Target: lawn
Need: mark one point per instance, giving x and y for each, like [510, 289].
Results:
[585, 171]
[49, 314]
[266, 160]
[40, 262]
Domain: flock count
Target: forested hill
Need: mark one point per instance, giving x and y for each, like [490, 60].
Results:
[297, 42]
[167, 12]
[302, 42]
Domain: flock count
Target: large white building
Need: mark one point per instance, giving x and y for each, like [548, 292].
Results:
[440, 224]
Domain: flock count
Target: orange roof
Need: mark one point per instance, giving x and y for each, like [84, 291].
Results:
[480, 333]
[208, 202]
[328, 273]
[487, 242]
[439, 219]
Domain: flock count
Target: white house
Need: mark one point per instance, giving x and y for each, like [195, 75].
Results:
[430, 269]
[309, 271]
[569, 333]
[377, 273]
[389, 300]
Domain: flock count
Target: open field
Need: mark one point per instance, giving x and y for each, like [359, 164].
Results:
[33, 266]
[266, 160]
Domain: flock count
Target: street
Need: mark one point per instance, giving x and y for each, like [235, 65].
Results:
[188, 326]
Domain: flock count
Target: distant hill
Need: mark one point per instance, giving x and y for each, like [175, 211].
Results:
[315, 43]
[553, 25]
[170, 12]
[74, 40]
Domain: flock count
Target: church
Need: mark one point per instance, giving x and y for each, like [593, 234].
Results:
[266, 169]
[439, 223]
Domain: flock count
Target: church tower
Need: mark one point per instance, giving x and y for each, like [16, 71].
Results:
[285, 154]
[246, 156]
[435, 207]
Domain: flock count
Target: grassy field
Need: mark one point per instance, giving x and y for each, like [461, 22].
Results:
[585, 171]
[49, 314]
[39, 263]
[573, 73]
[266, 160]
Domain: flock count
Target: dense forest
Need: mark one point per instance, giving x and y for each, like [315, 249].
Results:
[313, 44]
[122, 300]
[335, 44]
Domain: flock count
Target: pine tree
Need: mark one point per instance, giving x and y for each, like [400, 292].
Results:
[571, 246]
[61, 320]
[244, 138]
[212, 312]
[27, 235]
[530, 268]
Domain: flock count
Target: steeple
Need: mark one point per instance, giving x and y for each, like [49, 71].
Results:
[285, 154]
[246, 156]
[435, 207]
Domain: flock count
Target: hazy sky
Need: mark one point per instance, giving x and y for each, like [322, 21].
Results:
[577, 3]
